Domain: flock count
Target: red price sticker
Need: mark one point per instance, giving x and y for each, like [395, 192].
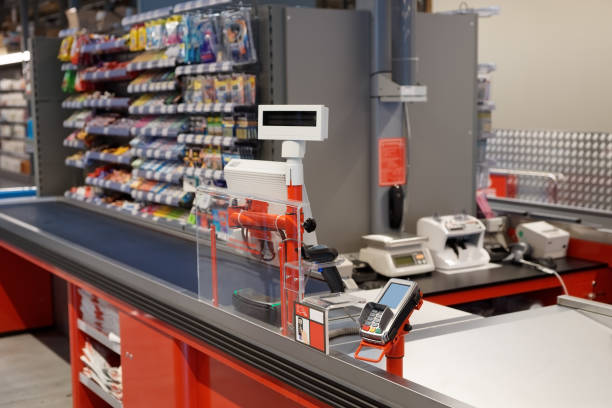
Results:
[391, 161]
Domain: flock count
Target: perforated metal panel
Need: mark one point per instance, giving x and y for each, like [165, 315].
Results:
[582, 161]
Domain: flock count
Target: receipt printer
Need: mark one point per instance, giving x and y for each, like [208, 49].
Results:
[455, 241]
[545, 240]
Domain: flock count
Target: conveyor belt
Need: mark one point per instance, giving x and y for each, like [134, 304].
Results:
[163, 256]
[166, 257]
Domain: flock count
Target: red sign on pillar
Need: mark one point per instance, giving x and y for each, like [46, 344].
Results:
[391, 161]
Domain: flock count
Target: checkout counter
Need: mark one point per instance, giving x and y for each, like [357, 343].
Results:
[173, 340]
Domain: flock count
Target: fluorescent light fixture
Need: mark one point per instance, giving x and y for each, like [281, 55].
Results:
[14, 58]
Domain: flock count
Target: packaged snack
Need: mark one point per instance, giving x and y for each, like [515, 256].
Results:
[172, 31]
[222, 89]
[210, 94]
[237, 88]
[133, 44]
[65, 47]
[237, 36]
[249, 90]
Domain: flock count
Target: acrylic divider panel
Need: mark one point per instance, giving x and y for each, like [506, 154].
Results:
[249, 255]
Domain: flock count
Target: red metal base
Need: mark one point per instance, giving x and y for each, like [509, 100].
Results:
[25, 294]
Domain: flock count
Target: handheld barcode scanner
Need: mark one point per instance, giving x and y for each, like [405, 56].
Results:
[384, 322]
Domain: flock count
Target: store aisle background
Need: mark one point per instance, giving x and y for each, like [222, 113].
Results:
[35, 370]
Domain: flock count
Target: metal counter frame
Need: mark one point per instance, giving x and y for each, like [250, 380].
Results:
[336, 379]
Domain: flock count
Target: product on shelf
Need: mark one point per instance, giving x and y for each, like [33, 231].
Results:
[101, 372]
[77, 119]
[16, 131]
[161, 170]
[111, 174]
[238, 37]
[13, 99]
[13, 115]
[164, 211]
[85, 192]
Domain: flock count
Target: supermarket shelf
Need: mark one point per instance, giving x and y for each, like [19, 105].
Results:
[107, 75]
[165, 154]
[160, 198]
[14, 106]
[75, 144]
[67, 66]
[75, 163]
[153, 110]
[22, 156]
[13, 122]
[72, 104]
[155, 132]
[155, 64]
[99, 336]
[208, 174]
[96, 389]
[206, 140]
[118, 103]
[149, 15]
[198, 4]
[174, 178]
[152, 87]
[108, 184]
[204, 68]
[19, 178]
[74, 124]
[67, 31]
[206, 107]
[109, 158]
[22, 138]
[105, 47]
[108, 130]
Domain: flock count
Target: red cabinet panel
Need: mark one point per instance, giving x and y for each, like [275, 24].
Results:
[25, 294]
[151, 365]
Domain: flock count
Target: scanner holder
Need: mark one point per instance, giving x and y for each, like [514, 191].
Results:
[394, 349]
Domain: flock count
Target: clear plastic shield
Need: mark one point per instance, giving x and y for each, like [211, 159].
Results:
[250, 255]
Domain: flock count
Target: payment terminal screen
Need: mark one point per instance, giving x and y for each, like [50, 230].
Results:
[394, 295]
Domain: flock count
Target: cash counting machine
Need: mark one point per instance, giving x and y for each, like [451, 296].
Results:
[455, 241]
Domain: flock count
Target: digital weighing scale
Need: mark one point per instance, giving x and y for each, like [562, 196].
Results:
[396, 255]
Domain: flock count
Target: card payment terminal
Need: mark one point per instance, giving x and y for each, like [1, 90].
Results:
[380, 321]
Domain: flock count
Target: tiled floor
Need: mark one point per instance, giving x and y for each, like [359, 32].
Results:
[34, 371]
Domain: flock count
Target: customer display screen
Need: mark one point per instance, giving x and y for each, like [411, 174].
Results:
[394, 295]
[400, 261]
[290, 118]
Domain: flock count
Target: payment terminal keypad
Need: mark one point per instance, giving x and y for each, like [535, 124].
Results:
[372, 323]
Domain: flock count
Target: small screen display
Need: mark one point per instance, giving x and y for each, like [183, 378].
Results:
[400, 261]
[290, 118]
[394, 295]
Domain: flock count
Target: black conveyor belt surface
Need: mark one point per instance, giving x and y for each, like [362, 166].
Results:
[164, 256]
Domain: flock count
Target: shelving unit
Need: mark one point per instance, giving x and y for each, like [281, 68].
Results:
[15, 147]
[109, 158]
[99, 336]
[201, 130]
[96, 389]
[108, 184]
